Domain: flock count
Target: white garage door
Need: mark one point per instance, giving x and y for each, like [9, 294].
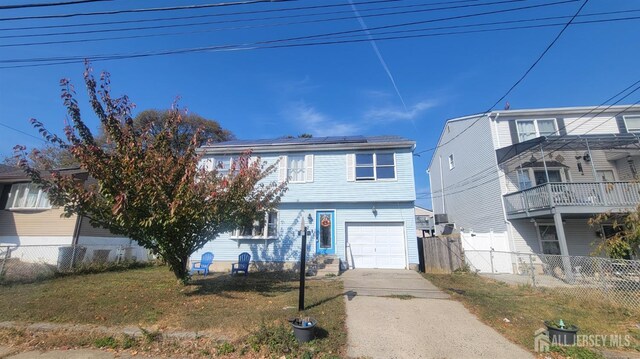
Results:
[376, 245]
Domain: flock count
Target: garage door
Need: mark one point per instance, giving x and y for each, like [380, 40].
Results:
[376, 245]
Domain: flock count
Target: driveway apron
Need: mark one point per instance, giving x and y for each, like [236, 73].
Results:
[399, 314]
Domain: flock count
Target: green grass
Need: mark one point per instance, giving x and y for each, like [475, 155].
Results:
[219, 305]
[527, 308]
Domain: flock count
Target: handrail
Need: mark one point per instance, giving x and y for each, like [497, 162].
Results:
[558, 194]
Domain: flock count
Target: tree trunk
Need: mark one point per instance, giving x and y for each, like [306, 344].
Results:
[178, 265]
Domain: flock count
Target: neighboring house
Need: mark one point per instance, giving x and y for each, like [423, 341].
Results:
[355, 193]
[36, 230]
[424, 222]
[529, 180]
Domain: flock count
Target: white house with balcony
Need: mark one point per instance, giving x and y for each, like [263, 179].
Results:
[531, 179]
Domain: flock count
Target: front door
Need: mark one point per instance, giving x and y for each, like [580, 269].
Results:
[325, 232]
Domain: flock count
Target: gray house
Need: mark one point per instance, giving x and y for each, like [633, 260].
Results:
[530, 180]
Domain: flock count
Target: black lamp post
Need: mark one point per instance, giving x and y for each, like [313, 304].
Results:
[303, 261]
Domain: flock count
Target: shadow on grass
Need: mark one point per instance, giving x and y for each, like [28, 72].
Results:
[264, 283]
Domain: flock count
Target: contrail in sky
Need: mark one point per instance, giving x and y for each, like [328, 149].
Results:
[378, 53]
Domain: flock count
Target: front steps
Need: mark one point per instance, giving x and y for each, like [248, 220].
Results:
[326, 266]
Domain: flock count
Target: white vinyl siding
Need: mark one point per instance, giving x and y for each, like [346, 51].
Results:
[27, 196]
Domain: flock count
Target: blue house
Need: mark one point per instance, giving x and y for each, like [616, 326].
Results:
[356, 194]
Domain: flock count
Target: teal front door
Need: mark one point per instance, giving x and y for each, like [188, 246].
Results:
[325, 232]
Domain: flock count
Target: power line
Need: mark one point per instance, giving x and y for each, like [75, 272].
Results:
[191, 17]
[130, 37]
[22, 132]
[48, 4]
[245, 20]
[518, 81]
[41, 62]
[142, 10]
[267, 44]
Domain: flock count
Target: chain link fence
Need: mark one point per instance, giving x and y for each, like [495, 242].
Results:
[587, 278]
[29, 263]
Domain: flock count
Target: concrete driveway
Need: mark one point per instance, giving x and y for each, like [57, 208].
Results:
[381, 324]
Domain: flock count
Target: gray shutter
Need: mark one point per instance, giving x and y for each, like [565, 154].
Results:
[514, 132]
[562, 128]
[622, 127]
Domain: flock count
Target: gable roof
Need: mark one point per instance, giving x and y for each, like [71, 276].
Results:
[313, 143]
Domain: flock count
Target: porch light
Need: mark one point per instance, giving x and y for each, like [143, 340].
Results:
[309, 218]
[374, 210]
[586, 157]
[533, 159]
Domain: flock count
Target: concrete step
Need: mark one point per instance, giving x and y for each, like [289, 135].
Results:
[326, 265]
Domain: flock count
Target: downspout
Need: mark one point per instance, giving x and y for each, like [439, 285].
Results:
[444, 203]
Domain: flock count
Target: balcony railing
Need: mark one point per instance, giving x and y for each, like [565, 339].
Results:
[560, 194]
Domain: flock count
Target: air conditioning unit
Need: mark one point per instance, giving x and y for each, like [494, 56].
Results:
[441, 218]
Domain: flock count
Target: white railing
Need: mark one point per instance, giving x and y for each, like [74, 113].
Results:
[557, 194]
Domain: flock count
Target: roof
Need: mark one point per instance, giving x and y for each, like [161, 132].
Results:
[10, 174]
[569, 143]
[316, 143]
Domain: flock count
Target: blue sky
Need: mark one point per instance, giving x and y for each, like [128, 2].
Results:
[340, 89]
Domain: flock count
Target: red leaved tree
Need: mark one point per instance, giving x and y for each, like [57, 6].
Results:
[145, 187]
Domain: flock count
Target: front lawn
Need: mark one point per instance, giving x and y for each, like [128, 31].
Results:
[518, 311]
[236, 308]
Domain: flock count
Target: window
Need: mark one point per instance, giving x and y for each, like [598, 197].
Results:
[222, 164]
[605, 176]
[27, 195]
[528, 129]
[451, 162]
[549, 239]
[524, 181]
[296, 169]
[632, 123]
[541, 176]
[375, 166]
[266, 227]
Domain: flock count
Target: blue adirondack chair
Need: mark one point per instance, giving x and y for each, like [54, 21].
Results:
[203, 264]
[242, 265]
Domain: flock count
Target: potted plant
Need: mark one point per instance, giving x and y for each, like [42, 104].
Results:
[304, 328]
[561, 333]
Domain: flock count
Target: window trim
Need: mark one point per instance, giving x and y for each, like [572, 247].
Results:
[304, 168]
[535, 125]
[265, 229]
[375, 167]
[626, 124]
[12, 198]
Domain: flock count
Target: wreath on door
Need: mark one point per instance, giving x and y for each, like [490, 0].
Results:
[325, 221]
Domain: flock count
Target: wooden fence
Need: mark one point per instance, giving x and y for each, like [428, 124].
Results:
[442, 254]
